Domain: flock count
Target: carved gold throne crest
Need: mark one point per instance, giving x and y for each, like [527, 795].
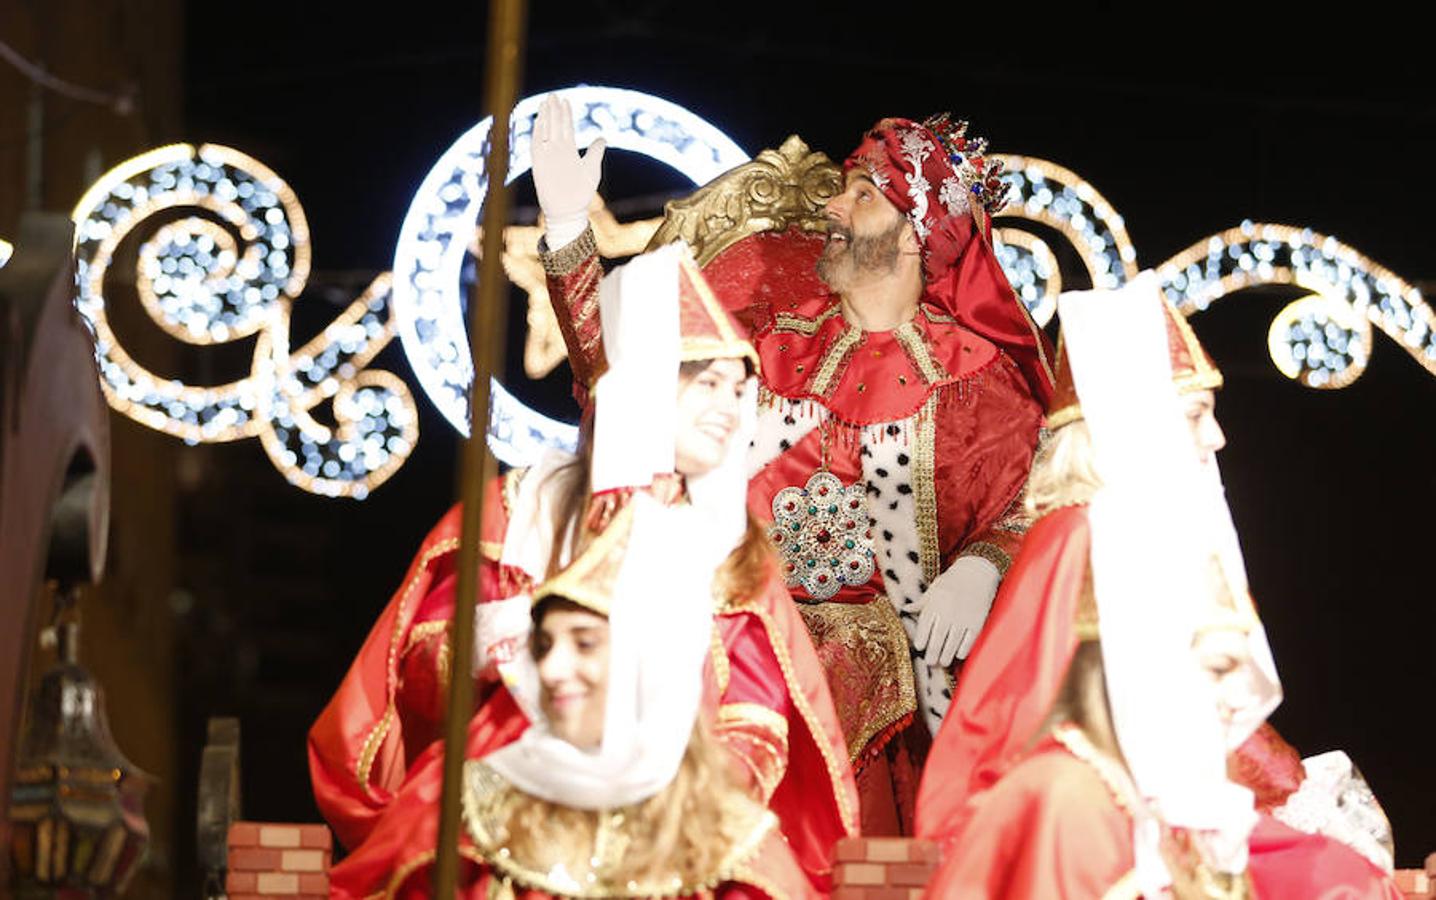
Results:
[757, 229]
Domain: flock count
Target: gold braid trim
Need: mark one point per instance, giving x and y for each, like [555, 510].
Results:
[719, 654]
[924, 486]
[766, 733]
[489, 801]
[402, 873]
[835, 361]
[423, 631]
[788, 323]
[753, 714]
[566, 259]
[990, 552]
[932, 315]
[836, 767]
[1107, 769]
[917, 352]
[365, 763]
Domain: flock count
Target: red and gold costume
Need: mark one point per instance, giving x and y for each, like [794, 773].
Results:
[768, 699]
[578, 852]
[1027, 807]
[1055, 820]
[881, 457]
[390, 706]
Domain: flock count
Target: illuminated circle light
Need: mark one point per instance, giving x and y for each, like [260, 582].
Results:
[440, 224]
[7, 250]
[202, 284]
[1323, 341]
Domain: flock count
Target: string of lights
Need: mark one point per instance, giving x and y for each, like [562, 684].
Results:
[230, 254]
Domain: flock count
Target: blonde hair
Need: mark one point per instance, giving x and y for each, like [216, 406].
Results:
[685, 830]
[1062, 471]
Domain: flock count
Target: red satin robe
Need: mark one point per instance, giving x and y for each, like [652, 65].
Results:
[1013, 674]
[769, 706]
[1052, 828]
[397, 858]
[390, 706]
[936, 421]
[1039, 823]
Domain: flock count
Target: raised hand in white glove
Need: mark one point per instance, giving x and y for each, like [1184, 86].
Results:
[951, 612]
[564, 180]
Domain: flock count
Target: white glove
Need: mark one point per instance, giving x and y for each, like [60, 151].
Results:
[565, 181]
[951, 612]
[501, 631]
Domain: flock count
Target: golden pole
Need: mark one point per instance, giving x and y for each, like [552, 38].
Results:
[488, 318]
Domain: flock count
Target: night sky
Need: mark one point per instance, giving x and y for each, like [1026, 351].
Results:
[1209, 123]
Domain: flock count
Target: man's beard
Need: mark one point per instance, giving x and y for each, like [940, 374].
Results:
[843, 261]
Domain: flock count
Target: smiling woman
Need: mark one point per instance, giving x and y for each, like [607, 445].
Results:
[618, 788]
[674, 405]
[570, 646]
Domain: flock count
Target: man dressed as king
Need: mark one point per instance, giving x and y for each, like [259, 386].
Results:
[899, 412]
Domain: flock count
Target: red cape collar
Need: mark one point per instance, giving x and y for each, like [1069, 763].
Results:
[810, 352]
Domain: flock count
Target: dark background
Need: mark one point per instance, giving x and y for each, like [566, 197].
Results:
[1214, 119]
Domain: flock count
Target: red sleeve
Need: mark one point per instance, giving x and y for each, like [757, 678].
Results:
[1285, 863]
[573, 274]
[983, 453]
[774, 668]
[1012, 675]
[1049, 829]
[390, 704]
[1269, 766]
[753, 707]
[402, 839]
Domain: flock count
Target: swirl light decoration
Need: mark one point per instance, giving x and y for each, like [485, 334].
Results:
[229, 267]
[232, 267]
[232, 254]
[1323, 339]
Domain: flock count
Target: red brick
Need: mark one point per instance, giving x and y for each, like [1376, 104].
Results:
[1413, 882]
[314, 883]
[241, 883]
[909, 874]
[243, 834]
[1431, 866]
[887, 893]
[925, 852]
[851, 850]
[268, 859]
[303, 861]
[860, 874]
[271, 883]
[280, 835]
[850, 892]
[253, 859]
[888, 850]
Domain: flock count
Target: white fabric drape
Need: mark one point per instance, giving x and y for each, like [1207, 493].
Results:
[1155, 533]
[660, 626]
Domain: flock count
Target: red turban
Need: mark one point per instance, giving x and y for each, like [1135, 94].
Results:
[938, 178]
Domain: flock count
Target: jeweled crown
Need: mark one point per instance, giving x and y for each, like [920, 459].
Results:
[981, 177]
